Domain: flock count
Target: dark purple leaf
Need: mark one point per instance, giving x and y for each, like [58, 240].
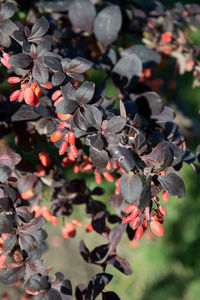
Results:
[5, 173]
[33, 225]
[25, 183]
[5, 40]
[82, 14]
[33, 284]
[40, 73]
[160, 158]
[80, 292]
[66, 288]
[45, 126]
[76, 65]
[148, 57]
[8, 157]
[99, 223]
[124, 157]
[40, 28]
[113, 125]
[145, 197]
[130, 187]
[107, 25]
[93, 116]
[84, 251]
[58, 78]
[99, 157]
[117, 202]
[127, 71]
[8, 27]
[52, 63]
[8, 10]
[5, 225]
[26, 242]
[120, 264]
[11, 275]
[85, 93]
[99, 252]
[97, 284]
[24, 113]
[9, 242]
[116, 235]
[173, 184]
[53, 294]
[20, 60]
[150, 104]
[67, 106]
[110, 296]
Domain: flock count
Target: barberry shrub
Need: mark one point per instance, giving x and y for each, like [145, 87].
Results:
[61, 119]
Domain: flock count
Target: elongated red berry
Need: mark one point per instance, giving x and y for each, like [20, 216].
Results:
[56, 136]
[5, 63]
[71, 138]
[14, 79]
[54, 220]
[6, 56]
[21, 96]
[63, 148]
[165, 196]
[71, 229]
[67, 162]
[47, 85]
[88, 227]
[38, 91]
[108, 176]
[135, 222]
[63, 117]
[139, 233]
[135, 213]
[58, 101]
[117, 190]
[157, 228]
[129, 208]
[15, 95]
[109, 166]
[62, 125]
[56, 95]
[74, 150]
[45, 159]
[127, 219]
[98, 177]
[29, 96]
[76, 168]
[28, 194]
[162, 210]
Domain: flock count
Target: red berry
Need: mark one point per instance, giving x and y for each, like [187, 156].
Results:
[129, 208]
[117, 191]
[76, 168]
[108, 176]
[166, 37]
[98, 178]
[28, 194]
[71, 138]
[29, 96]
[45, 159]
[5, 63]
[139, 233]
[63, 148]
[74, 150]
[15, 95]
[21, 96]
[54, 220]
[136, 222]
[56, 95]
[162, 210]
[165, 196]
[14, 79]
[56, 136]
[58, 101]
[47, 85]
[71, 229]
[89, 227]
[157, 228]
[134, 213]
